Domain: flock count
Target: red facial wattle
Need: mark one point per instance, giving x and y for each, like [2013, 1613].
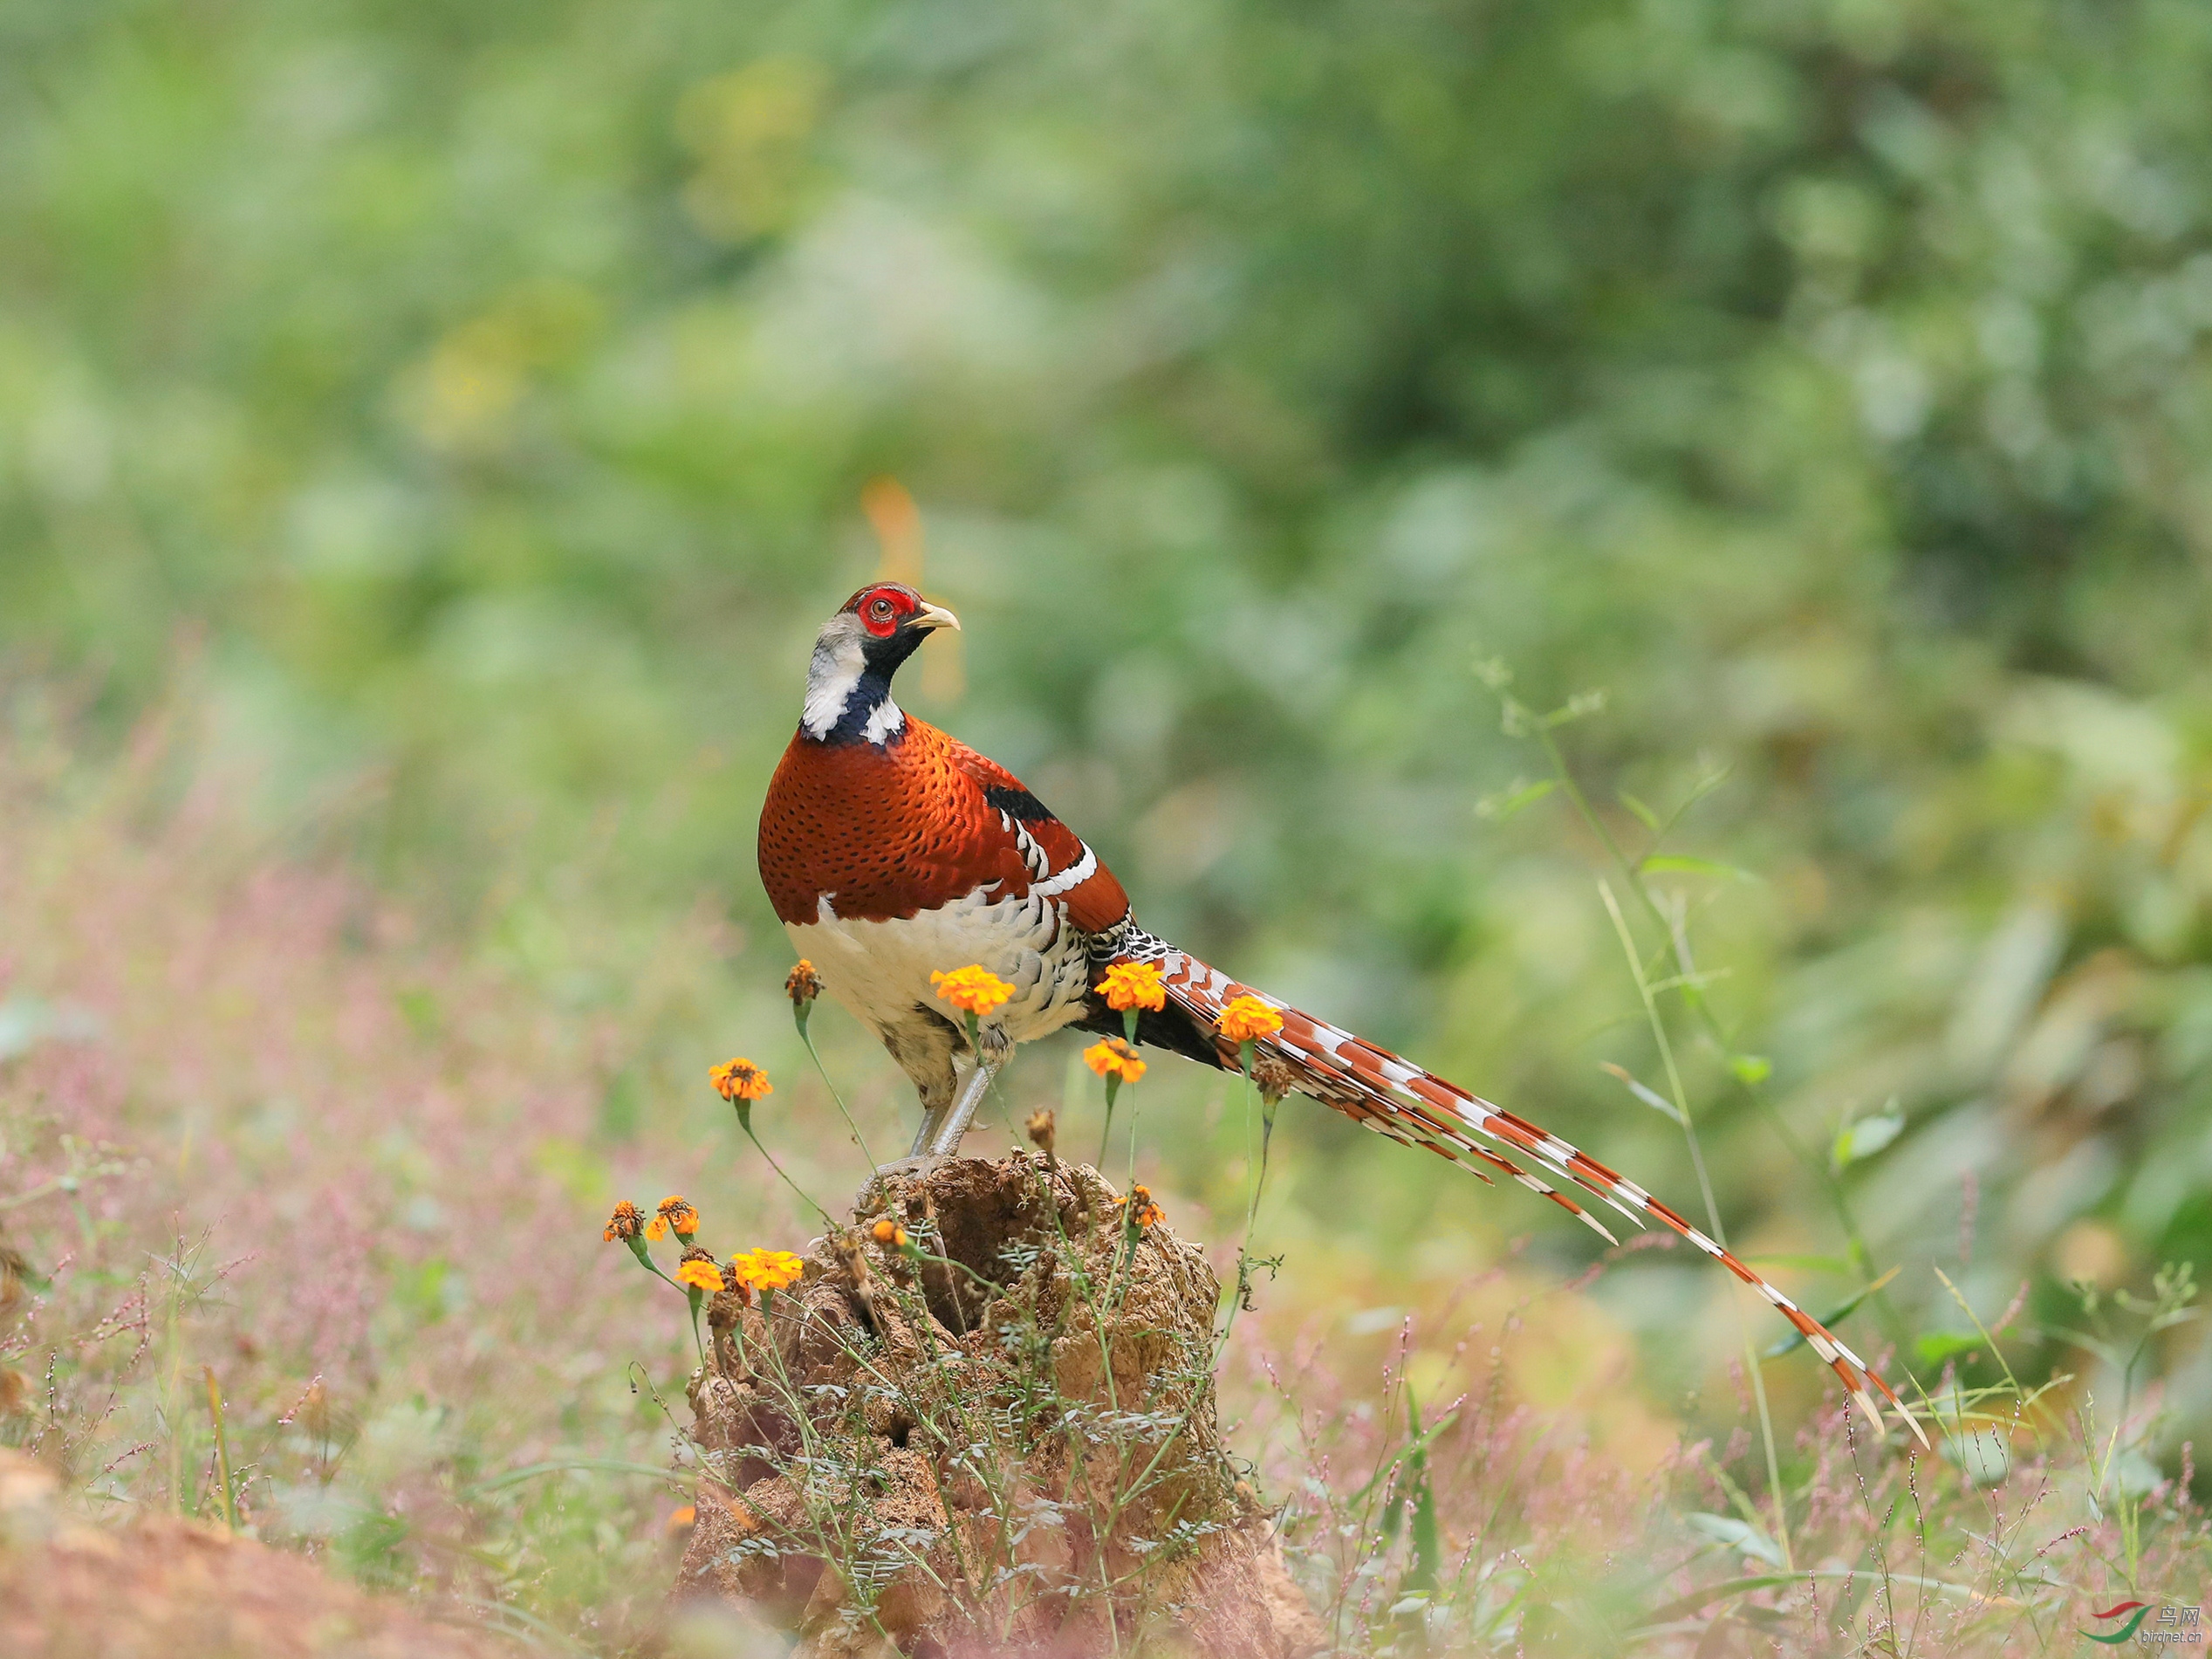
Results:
[881, 612]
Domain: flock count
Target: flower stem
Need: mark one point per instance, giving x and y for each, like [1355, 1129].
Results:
[644, 1260]
[860, 1139]
[1267, 1135]
[1244, 1052]
[1105, 1135]
[786, 1180]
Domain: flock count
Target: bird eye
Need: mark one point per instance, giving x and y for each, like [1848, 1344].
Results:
[881, 607]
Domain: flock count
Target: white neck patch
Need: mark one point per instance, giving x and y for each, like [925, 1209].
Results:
[885, 721]
[832, 678]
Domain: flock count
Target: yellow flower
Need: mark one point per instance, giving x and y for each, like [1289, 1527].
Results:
[1133, 984]
[766, 1270]
[1114, 1058]
[971, 990]
[803, 985]
[700, 1274]
[889, 1233]
[1043, 1129]
[626, 1224]
[676, 1216]
[739, 1080]
[1247, 1017]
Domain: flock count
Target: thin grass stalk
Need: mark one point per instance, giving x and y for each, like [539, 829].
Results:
[221, 1449]
[1712, 1209]
[1702, 1008]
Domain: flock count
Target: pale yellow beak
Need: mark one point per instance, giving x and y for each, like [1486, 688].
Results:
[931, 616]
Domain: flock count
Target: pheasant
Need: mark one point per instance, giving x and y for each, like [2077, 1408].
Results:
[891, 850]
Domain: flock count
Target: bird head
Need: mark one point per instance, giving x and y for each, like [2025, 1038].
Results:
[892, 620]
[848, 683]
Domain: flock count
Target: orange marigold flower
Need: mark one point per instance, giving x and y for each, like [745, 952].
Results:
[626, 1224]
[701, 1274]
[676, 1216]
[767, 1270]
[1143, 1212]
[1133, 984]
[803, 985]
[1246, 1018]
[1113, 1057]
[739, 1080]
[888, 1232]
[973, 989]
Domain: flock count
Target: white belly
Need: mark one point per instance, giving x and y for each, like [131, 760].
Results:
[880, 970]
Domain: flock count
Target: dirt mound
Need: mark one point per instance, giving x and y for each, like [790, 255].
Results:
[999, 1434]
[159, 1587]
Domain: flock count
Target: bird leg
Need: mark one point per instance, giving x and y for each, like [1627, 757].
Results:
[918, 1154]
[936, 1106]
[941, 1138]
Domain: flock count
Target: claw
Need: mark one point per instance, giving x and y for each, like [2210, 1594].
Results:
[919, 1164]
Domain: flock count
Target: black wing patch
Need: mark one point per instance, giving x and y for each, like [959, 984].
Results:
[1016, 804]
[1169, 1028]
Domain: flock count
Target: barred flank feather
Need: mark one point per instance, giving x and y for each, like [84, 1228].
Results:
[1419, 1108]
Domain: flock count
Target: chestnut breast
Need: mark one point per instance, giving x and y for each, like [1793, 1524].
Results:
[884, 831]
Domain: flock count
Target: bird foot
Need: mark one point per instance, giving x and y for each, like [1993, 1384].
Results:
[920, 1164]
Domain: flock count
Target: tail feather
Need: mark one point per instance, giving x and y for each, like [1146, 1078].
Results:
[1395, 1098]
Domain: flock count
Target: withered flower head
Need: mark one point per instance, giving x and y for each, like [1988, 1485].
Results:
[1273, 1078]
[739, 1080]
[676, 1216]
[626, 1224]
[1041, 1126]
[847, 1245]
[803, 985]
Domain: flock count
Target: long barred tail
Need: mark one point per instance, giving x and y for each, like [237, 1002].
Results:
[1396, 1098]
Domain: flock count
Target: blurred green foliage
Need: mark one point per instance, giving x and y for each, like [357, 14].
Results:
[478, 399]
